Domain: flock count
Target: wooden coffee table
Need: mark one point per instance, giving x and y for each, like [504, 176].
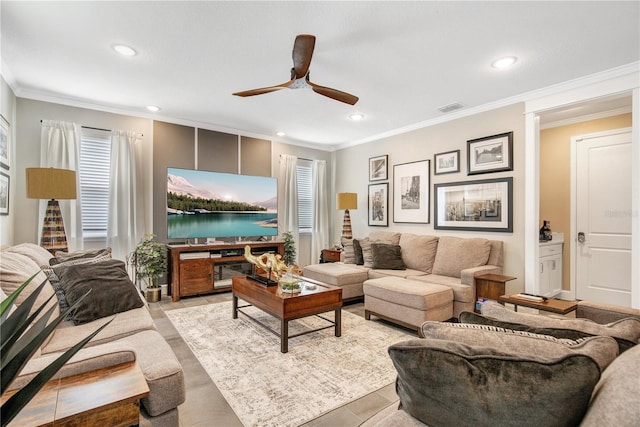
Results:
[287, 307]
[552, 305]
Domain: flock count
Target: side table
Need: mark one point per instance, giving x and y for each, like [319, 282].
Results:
[330, 255]
[551, 305]
[491, 286]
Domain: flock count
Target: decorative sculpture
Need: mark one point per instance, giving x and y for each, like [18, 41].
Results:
[269, 262]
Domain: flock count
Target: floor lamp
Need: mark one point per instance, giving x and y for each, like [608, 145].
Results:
[347, 201]
[52, 184]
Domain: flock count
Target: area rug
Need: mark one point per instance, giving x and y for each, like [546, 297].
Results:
[265, 387]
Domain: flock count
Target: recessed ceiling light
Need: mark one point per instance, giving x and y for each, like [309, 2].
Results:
[280, 133]
[124, 50]
[153, 108]
[356, 116]
[505, 62]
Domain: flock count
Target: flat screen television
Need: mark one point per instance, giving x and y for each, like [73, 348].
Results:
[202, 204]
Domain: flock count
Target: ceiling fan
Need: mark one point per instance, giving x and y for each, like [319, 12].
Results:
[302, 53]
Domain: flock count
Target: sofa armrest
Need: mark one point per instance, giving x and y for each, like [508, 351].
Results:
[604, 313]
[467, 276]
[86, 360]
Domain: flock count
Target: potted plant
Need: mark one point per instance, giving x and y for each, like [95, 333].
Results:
[150, 262]
[289, 256]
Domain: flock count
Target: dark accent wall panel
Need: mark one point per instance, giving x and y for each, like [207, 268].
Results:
[173, 146]
[217, 151]
[255, 156]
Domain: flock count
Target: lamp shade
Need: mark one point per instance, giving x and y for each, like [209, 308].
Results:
[347, 201]
[51, 183]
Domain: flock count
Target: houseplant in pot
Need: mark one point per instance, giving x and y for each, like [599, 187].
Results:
[150, 262]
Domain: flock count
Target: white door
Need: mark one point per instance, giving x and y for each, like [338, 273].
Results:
[603, 218]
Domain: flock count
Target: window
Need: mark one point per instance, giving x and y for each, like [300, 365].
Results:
[95, 154]
[305, 196]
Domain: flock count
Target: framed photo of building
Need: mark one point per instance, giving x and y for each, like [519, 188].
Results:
[490, 154]
[411, 192]
[448, 162]
[378, 168]
[5, 143]
[4, 194]
[379, 204]
[483, 205]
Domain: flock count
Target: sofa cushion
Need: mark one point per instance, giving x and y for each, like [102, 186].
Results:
[336, 273]
[385, 236]
[470, 317]
[406, 273]
[111, 289]
[461, 293]
[456, 254]
[357, 250]
[348, 254]
[35, 252]
[408, 293]
[103, 253]
[628, 329]
[387, 256]
[451, 383]
[419, 252]
[614, 401]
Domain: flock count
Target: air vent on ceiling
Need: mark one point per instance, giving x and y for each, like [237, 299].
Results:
[451, 107]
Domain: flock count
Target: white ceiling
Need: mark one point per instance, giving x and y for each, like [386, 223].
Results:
[403, 59]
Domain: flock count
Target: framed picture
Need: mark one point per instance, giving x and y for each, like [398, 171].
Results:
[448, 162]
[483, 205]
[378, 168]
[5, 143]
[411, 192]
[379, 204]
[490, 154]
[4, 194]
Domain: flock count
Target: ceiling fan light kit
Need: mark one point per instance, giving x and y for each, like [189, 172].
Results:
[302, 53]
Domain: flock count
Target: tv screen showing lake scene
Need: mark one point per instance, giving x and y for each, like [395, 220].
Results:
[213, 204]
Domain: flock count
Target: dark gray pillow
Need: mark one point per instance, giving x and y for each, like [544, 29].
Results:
[448, 383]
[387, 256]
[111, 289]
[357, 249]
[470, 317]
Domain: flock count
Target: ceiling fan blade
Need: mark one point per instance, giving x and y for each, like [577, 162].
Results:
[260, 91]
[302, 53]
[336, 94]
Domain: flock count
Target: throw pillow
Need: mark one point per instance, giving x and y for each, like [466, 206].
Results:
[83, 254]
[455, 254]
[349, 256]
[385, 236]
[367, 255]
[628, 329]
[470, 317]
[357, 249]
[449, 383]
[387, 256]
[35, 252]
[418, 252]
[111, 289]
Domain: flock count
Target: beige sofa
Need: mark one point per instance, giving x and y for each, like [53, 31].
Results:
[130, 336]
[496, 366]
[433, 280]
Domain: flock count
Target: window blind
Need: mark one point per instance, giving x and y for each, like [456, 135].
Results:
[305, 197]
[95, 154]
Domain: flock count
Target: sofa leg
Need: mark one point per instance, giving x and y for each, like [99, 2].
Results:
[367, 315]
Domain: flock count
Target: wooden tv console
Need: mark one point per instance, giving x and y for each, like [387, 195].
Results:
[192, 267]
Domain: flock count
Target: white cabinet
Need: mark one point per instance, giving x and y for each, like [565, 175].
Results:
[550, 268]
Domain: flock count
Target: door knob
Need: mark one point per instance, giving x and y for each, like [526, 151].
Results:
[581, 237]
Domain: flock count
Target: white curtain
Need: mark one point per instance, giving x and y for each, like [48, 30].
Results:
[125, 226]
[320, 231]
[60, 148]
[288, 215]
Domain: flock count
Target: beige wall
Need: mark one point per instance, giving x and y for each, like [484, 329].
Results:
[8, 111]
[555, 179]
[352, 175]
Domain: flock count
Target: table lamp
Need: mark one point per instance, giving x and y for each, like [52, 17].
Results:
[347, 201]
[52, 184]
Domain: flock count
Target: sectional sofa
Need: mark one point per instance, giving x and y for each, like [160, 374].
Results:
[408, 278]
[131, 335]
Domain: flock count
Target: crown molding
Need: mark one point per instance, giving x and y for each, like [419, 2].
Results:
[586, 117]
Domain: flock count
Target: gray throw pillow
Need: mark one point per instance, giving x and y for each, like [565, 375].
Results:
[449, 383]
[558, 332]
[111, 289]
[387, 256]
[357, 249]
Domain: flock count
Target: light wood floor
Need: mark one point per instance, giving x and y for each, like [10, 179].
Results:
[205, 405]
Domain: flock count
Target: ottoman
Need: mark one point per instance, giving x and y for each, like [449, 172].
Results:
[407, 302]
[348, 276]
